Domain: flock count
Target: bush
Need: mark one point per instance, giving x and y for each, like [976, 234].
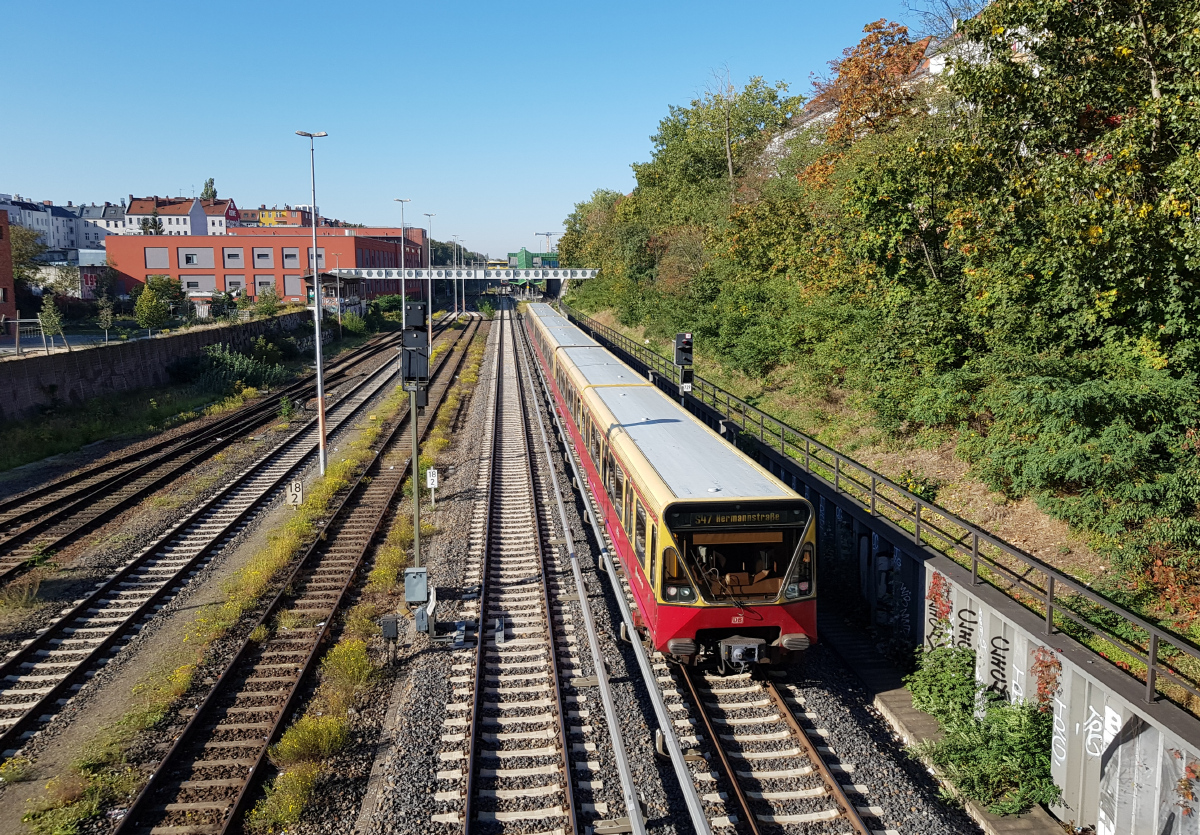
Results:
[219, 370]
[354, 323]
[993, 751]
[286, 799]
[310, 739]
[944, 682]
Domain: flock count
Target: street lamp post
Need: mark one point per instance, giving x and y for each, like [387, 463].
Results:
[453, 279]
[312, 169]
[403, 247]
[429, 273]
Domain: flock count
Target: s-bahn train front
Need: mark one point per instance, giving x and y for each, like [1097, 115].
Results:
[739, 581]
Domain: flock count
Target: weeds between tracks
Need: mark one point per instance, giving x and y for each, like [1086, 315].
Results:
[102, 777]
[348, 670]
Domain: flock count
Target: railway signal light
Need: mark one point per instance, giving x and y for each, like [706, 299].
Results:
[683, 349]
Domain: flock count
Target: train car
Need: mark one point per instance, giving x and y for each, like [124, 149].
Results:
[721, 557]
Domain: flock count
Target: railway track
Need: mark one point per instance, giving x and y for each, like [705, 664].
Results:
[44, 520]
[776, 768]
[206, 781]
[520, 737]
[37, 679]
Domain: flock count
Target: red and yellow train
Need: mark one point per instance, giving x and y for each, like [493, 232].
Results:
[721, 557]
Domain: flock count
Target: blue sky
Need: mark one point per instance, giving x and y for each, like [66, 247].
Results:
[497, 117]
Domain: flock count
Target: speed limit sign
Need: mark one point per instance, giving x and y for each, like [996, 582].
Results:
[294, 492]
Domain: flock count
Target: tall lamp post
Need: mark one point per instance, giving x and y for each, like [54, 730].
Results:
[429, 272]
[403, 249]
[454, 280]
[312, 169]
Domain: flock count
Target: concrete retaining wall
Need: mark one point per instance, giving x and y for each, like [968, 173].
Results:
[1124, 765]
[36, 380]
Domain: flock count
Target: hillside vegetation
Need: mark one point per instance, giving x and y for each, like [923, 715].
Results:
[1006, 254]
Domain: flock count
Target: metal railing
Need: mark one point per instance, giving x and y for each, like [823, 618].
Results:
[1141, 648]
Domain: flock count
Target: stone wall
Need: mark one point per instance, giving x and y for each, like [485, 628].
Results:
[36, 380]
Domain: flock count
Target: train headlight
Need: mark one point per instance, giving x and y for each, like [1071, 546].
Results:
[792, 591]
[672, 591]
[683, 593]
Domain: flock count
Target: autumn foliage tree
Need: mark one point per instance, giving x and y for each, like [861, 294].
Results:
[871, 88]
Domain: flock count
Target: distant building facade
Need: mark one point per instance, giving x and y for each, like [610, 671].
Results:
[250, 261]
[8, 292]
[179, 215]
[526, 260]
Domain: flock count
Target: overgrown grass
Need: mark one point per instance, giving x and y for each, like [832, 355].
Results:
[347, 670]
[67, 428]
[100, 778]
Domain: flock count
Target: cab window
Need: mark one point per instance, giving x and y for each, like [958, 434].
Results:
[639, 532]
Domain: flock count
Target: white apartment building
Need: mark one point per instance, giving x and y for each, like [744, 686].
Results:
[179, 215]
[98, 222]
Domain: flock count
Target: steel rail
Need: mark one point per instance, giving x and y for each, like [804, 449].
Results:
[539, 534]
[60, 629]
[628, 786]
[477, 698]
[352, 501]
[160, 450]
[849, 812]
[18, 503]
[726, 766]
[506, 323]
[683, 774]
[199, 444]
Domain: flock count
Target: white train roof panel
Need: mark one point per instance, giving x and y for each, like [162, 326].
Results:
[600, 368]
[570, 335]
[694, 462]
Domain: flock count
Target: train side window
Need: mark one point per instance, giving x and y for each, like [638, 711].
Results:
[653, 554]
[639, 532]
[596, 457]
[616, 485]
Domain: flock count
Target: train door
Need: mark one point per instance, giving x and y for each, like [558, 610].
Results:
[641, 539]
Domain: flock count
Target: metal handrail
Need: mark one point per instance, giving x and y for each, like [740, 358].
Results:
[919, 518]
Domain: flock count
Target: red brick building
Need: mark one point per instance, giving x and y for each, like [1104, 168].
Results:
[8, 291]
[250, 260]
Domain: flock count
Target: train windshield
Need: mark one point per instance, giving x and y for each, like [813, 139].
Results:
[736, 555]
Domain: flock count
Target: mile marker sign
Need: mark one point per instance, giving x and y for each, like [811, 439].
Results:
[294, 492]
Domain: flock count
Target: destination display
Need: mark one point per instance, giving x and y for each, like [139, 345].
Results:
[738, 516]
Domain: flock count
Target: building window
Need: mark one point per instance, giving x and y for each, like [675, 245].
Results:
[189, 260]
[193, 285]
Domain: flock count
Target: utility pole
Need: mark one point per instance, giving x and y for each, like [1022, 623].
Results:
[403, 248]
[312, 163]
[429, 274]
[416, 382]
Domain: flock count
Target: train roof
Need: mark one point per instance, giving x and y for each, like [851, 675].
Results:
[600, 368]
[692, 461]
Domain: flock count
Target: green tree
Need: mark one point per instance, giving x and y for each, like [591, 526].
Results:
[151, 311]
[26, 247]
[152, 225]
[170, 290]
[51, 319]
[210, 189]
[104, 315]
[64, 281]
[267, 303]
